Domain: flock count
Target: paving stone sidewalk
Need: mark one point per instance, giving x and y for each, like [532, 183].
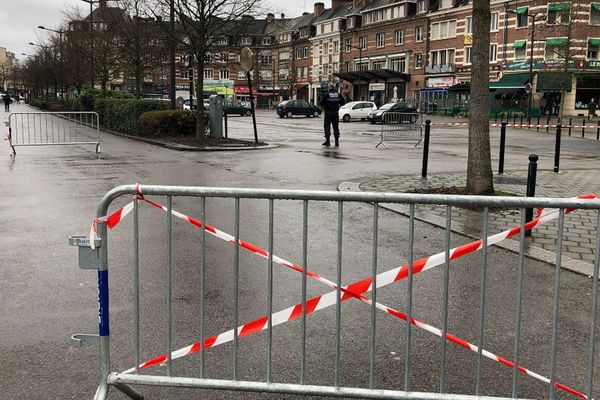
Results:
[579, 240]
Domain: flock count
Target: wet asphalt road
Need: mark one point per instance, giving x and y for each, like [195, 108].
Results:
[49, 193]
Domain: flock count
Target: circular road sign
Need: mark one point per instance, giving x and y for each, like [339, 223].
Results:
[246, 58]
[528, 88]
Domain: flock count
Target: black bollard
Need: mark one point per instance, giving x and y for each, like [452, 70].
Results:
[598, 131]
[583, 128]
[426, 148]
[538, 125]
[521, 122]
[502, 145]
[570, 125]
[514, 120]
[548, 124]
[531, 177]
[529, 122]
[495, 118]
[557, 148]
[226, 128]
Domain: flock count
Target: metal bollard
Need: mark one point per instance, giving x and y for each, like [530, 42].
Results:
[583, 128]
[514, 120]
[426, 148]
[521, 122]
[531, 178]
[529, 123]
[548, 123]
[538, 125]
[226, 126]
[598, 131]
[557, 148]
[570, 125]
[502, 146]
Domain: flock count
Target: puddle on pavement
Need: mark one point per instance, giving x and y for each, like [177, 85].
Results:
[326, 153]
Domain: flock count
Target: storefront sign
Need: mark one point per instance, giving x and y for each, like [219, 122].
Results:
[555, 65]
[376, 87]
[444, 81]
[241, 89]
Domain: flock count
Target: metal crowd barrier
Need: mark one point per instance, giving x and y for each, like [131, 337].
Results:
[53, 129]
[341, 201]
[397, 127]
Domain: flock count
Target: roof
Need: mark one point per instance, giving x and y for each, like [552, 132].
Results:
[340, 12]
[302, 21]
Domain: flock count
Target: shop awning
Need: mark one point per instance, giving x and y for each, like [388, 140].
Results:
[553, 81]
[519, 44]
[511, 81]
[594, 41]
[559, 6]
[460, 88]
[521, 10]
[596, 6]
[370, 75]
[557, 41]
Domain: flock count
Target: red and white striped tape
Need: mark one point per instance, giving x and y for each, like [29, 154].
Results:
[495, 125]
[348, 292]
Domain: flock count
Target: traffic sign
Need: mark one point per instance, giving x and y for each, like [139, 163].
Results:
[528, 88]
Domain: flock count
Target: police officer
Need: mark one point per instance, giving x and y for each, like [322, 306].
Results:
[331, 103]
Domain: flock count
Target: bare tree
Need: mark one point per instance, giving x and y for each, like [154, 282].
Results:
[204, 24]
[479, 164]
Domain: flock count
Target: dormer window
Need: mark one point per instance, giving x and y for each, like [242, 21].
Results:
[266, 41]
[246, 41]
[222, 41]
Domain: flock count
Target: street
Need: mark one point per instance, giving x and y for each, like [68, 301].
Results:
[50, 193]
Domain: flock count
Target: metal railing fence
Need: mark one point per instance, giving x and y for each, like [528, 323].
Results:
[377, 279]
[396, 127]
[54, 129]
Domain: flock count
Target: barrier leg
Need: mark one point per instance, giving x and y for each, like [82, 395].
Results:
[531, 178]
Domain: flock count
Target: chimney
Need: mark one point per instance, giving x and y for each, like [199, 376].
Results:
[282, 16]
[270, 17]
[335, 4]
[319, 9]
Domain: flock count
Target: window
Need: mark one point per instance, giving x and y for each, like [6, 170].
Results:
[183, 74]
[398, 64]
[493, 52]
[443, 30]
[346, 66]
[522, 17]
[362, 42]
[325, 69]
[336, 47]
[595, 14]
[421, 6]
[559, 13]
[325, 49]
[222, 41]
[378, 65]
[242, 75]
[380, 40]
[593, 49]
[468, 55]
[305, 72]
[494, 22]
[298, 53]
[335, 67]
[469, 25]
[246, 41]
[442, 57]
[399, 37]
[224, 74]
[446, 4]
[397, 12]
[555, 48]
[304, 33]
[208, 74]
[348, 45]
[418, 60]
[305, 52]
[266, 41]
[520, 47]
[299, 72]
[350, 23]
[419, 33]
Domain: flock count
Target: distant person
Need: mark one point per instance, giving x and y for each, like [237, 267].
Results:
[17, 99]
[331, 103]
[543, 104]
[592, 108]
[7, 101]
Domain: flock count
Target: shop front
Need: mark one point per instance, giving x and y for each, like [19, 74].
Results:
[379, 86]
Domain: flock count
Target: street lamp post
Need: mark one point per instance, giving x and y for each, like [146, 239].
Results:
[60, 44]
[532, 46]
[92, 75]
[359, 48]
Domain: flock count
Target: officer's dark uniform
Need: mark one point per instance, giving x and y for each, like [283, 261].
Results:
[331, 103]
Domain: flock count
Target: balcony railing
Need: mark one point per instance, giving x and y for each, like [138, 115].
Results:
[440, 69]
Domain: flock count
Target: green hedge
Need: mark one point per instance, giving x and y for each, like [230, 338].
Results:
[122, 115]
[56, 105]
[169, 123]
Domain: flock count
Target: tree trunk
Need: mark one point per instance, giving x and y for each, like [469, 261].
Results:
[479, 165]
[200, 125]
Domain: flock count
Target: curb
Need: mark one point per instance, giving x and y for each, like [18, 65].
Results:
[531, 251]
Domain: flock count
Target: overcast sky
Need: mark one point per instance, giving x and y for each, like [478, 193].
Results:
[19, 18]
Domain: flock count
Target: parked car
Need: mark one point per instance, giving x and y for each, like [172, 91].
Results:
[289, 108]
[236, 108]
[377, 115]
[356, 110]
[186, 104]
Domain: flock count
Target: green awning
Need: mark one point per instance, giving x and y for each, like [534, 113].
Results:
[594, 41]
[559, 6]
[557, 41]
[511, 81]
[554, 81]
[521, 10]
[596, 6]
[519, 44]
